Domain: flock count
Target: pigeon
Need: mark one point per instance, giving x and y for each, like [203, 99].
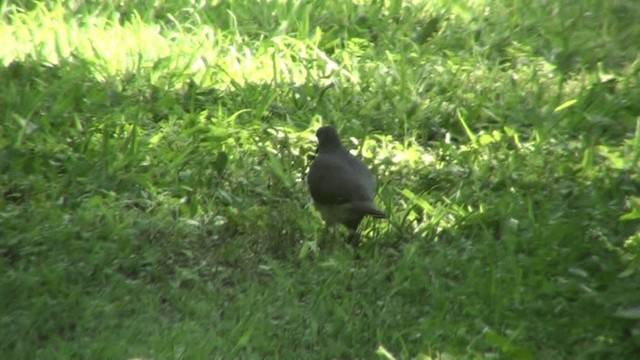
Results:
[341, 185]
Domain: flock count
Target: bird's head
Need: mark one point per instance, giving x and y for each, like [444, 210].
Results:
[328, 139]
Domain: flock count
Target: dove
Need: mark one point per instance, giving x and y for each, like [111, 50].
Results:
[341, 185]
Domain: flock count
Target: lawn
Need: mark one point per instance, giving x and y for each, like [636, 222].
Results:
[153, 201]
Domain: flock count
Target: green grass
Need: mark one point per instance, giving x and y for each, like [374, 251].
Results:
[153, 201]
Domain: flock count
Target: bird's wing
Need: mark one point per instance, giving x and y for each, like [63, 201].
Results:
[338, 179]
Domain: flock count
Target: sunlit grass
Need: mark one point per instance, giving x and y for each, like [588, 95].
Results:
[206, 54]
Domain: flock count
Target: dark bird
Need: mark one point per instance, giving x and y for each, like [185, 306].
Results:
[341, 185]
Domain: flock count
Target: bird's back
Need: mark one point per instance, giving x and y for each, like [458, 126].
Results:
[339, 177]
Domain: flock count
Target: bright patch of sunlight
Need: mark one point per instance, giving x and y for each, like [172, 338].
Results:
[208, 55]
[395, 154]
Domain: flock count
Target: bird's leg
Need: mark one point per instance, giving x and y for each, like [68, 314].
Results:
[354, 238]
[327, 238]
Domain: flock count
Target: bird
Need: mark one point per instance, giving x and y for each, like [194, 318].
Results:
[341, 185]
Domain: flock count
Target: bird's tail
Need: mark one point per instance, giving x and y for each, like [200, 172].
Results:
[367, 208]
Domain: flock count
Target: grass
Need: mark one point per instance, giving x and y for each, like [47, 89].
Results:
[154, 204]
